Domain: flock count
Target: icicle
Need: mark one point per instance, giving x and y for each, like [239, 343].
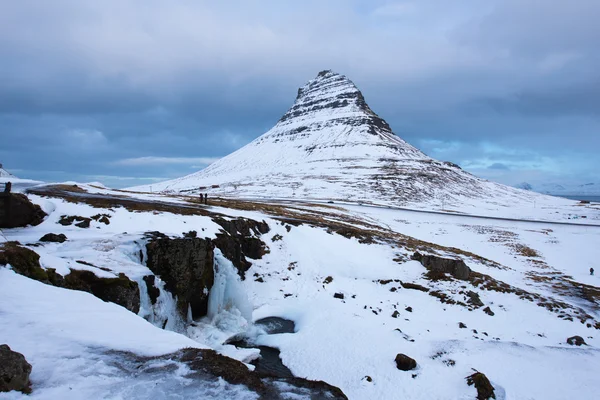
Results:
[227, 293]
[189, 314]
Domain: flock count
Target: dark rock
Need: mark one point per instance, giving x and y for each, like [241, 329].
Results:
[396, 314]
[53, 237]
[239, 241]
[120, 290]
[461, 325]
[17, 211]
[328, 280]
[275, 325]
[83, 224]
[488, 311]
[576, 341]
[409, 309]
[103, 218]
[405, 363]
[457, 268]
[209, 362]
[14, 371]
[473, 299]
[24, 261]
[368, 378]
[186, 267]
[408, 285]
[277, 238]
[153, 291]
[80, 222]
[339, 295]
[190, 235]
[485, 390]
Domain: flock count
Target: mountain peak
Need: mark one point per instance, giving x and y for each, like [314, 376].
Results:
[332, 96]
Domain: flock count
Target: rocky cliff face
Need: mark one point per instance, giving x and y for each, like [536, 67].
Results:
[186, 266]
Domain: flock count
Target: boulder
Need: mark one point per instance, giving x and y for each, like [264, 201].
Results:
[462, 325]
[186, 267]
[488, 311]
[339, 296]
[485, 390]
[457, 268]
[576, 341]
[474, 299]
[53, 237]
[14, 371]
[405, 363]
[17, 211]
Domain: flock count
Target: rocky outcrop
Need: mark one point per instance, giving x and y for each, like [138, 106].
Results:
[239, 240]
[474, 299]
[209, 362]
[576, 341]
[16, 211]
[485, 390]
[186, 267]
[119, 290]
[14, 371]
[457, 268]
[405, 363]
[80, 222]
[53, 237]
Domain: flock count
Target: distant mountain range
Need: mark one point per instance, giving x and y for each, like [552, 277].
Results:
[586, 189]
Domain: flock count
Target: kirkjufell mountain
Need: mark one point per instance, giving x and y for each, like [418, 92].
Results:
[330, 145]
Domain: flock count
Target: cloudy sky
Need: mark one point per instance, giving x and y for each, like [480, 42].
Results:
[134, 91]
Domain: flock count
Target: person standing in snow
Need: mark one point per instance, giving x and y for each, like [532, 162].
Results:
[591, 271]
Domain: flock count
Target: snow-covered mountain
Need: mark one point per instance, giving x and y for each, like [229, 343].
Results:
[586, 189]
[331, 146]
[5, 174]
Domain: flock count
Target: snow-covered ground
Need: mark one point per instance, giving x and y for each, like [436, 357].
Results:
[74, 340]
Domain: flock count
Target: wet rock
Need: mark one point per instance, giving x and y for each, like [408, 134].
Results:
[153, 291]
[488, 311]
[239, 240]
[576, 341]
[457, 268]
[186, 267]
[14, 371]
[405, 363]
[339, 296]
[208, 362]
[17, 211]
[473, 299]
[276, 325]
[53, 237]
[485, 390]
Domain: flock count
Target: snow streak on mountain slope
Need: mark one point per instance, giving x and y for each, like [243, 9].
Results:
[5, 174]
[331, 145]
